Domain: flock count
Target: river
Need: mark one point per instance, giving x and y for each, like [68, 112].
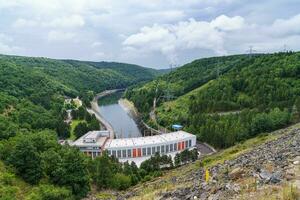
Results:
[122, 123]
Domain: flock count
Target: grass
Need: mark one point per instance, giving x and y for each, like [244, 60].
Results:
[12, 187]
[106, 196]
[73, 125]
[162, 184]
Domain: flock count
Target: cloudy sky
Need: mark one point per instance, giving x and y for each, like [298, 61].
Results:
[150, 33]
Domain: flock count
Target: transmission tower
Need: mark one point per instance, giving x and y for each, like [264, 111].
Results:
[168, 95]
[250, 51]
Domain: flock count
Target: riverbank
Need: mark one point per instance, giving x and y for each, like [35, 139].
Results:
[129, 108]
[95, 110]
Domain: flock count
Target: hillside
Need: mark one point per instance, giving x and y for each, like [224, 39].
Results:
[265, 167]
[32, 92]
[182, 80]
[253, 95]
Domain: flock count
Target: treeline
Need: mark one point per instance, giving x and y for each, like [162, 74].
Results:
[181, 81]
[257, 94]
[108, 173]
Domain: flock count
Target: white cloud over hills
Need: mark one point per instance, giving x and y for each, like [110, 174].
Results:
[150, 33]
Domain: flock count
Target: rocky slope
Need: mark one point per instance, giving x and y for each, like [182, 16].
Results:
[274, 163]
[267, 167]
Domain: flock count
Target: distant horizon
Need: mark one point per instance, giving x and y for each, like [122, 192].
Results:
[154, 34]
[108, 61]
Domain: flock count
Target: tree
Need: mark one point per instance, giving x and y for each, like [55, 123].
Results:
[103, 175]
[25, 158]
[81, 129]
[63, 130]
[94, 124]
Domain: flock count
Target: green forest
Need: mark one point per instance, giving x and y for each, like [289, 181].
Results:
[32, 111]
[225, 100]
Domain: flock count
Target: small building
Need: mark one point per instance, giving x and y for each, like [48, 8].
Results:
[92, 143]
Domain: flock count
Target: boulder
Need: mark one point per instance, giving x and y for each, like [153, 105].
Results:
[236, 173]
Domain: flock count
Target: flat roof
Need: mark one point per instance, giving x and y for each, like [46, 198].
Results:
[148, 140]
[100, 140]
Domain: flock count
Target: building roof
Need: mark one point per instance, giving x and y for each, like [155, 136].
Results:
[148, 140]
[92, 138]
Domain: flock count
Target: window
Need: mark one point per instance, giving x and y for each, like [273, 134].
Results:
[158, 149]
[109, 152]
[148, 151]
[190, 143]
[114, 153]
[94, 154]
[175, 147]
[144, 151]
[153, 150]
[124, 153]
[171, 147]
[162, 149]
[119, 153]
[167, 148]
[129, 153]
[186, 144]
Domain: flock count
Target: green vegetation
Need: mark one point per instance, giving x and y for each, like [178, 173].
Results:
[182, 80]
[252, 95]
[108, 173]
[32, 113]
[85, 123]
[36, 156]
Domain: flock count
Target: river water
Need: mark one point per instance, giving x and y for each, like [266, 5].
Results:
[122, 123]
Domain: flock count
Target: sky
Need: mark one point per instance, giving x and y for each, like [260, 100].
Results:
[150, 33]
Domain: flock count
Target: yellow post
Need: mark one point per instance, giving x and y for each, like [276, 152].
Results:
[206, 175]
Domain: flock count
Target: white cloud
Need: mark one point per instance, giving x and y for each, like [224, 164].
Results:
[228, 23]
[65, 22]
[73, 21]
[5, 45]
[96, 44]
[99, 55]
[285, 27]
[60, 36]
[185, 35]
[22, 23]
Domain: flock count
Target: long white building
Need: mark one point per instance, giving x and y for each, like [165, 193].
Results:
[135, 149]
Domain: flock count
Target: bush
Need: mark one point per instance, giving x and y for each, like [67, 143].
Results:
[121, 181]
[50, 192]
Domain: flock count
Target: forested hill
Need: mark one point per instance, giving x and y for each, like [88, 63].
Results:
[80, 75]
[32, 89]
[224, 100]
[32, 114]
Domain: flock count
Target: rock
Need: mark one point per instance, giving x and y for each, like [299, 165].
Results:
[275, 178]
[173, 179]
[236, 173]
[297, 162]
[264, 175]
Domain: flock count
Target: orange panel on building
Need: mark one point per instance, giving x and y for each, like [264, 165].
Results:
[178, 146]
[139, 152]
[134, 153]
